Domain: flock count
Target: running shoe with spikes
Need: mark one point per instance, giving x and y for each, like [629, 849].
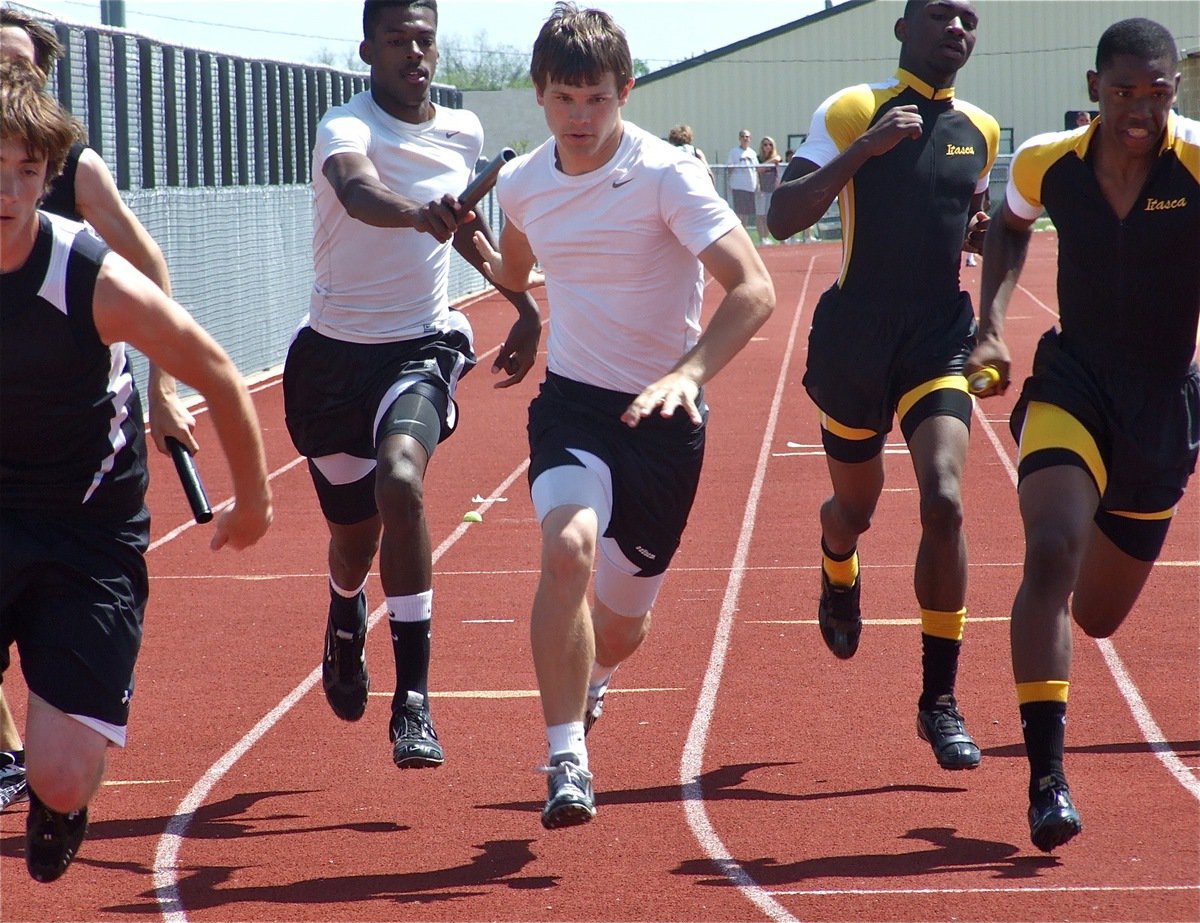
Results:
[942, 727]
[51, 839]
[839, 616]
[1053, 820]
[414, 741]
[569, 800]
[344, 672]
[13, 787]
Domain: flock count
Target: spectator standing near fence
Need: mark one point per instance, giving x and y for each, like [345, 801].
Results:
[742, 178]
[73, 520]
[370, 378]
[891, 336]
[1108, 424]
[625, 227]
[768, 178]
[681, 137]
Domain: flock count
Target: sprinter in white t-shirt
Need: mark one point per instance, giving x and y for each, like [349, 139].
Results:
[623, 225]
[370, 377]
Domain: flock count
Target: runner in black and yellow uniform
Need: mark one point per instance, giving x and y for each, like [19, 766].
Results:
[1109, 422]
[909, 163]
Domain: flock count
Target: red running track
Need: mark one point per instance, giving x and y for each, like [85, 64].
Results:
[742, 771]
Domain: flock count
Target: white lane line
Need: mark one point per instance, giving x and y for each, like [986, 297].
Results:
[1021, 889]
[525, 693]
[692, 763]
[179, 530]
[166, 857]
[973, 620]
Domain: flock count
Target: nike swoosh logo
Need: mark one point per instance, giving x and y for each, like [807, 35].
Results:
[451, 134]
[618, 183]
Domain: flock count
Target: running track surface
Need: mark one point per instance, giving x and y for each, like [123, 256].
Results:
[743, 773]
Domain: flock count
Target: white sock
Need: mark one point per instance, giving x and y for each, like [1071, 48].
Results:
[417, 608]
[347, 594]
[568, 738]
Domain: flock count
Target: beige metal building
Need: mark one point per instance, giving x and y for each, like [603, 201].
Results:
[1028, 68]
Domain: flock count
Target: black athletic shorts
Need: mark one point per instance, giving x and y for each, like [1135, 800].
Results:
[72, 596]
[332, 389]
[655, 466]
[1146, 430]
[864, 356]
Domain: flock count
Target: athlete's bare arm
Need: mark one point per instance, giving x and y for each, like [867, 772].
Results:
[101, 205]
[365, 197]
[519, 351]
[1004, 252]
[129, 307]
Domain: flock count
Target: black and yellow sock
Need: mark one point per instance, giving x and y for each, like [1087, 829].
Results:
[1043, 723]
[941, 641]
[841, 569]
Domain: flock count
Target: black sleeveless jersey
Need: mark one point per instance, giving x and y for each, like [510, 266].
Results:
[60, 200]
[71, 434]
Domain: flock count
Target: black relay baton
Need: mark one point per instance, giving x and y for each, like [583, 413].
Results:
[190, 479]
[482, 184]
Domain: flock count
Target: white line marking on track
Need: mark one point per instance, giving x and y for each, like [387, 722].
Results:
[1022, 889]
[141, 781]
[525, 693]
[179, 530]
[971, 620]
[692, 764]
[166, 856]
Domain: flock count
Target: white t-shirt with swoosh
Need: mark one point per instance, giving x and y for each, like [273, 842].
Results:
[619, 250]
[374, 284]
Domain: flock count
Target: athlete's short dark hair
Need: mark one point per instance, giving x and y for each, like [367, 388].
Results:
[578, 47]
[46, 47]
[1142, 38]
[373, 9]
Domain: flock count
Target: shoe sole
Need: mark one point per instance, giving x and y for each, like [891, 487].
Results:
[1055, 832]
[423, 760]
[348, 715]
[842, 642]
[567, 815]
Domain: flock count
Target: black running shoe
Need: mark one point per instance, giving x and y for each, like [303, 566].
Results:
[1053, 820]
[839, 617]
[51, 839]
[595, 708]
[942, 726]
[414, 741]
[344, 672]
[570, 800]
